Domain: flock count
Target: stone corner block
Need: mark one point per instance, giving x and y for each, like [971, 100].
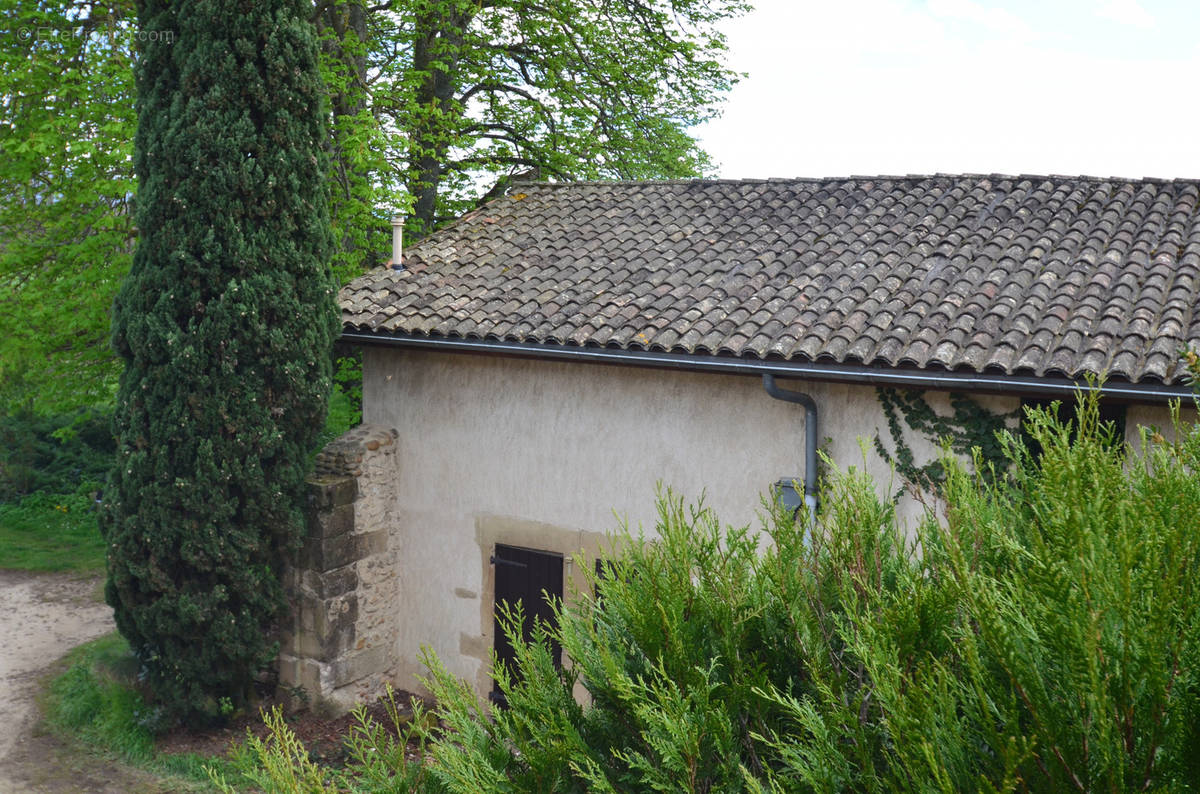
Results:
[356, 666]
[300, 675]
[328, 553]
[328, 491]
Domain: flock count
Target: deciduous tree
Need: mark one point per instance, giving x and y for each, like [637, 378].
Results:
[436, 106]
[481, 90]
[66, 183]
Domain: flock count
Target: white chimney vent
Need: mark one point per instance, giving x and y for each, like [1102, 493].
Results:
[397, 242]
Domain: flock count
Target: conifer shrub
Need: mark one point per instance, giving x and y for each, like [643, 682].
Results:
[225, 325]
[53, 454]
[1042, 636]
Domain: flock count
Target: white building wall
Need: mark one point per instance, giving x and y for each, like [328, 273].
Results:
[1156, 418]
[551, 455]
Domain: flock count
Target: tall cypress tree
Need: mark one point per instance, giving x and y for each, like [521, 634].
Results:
[224, 324]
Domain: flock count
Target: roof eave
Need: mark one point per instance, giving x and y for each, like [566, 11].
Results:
[951, 380]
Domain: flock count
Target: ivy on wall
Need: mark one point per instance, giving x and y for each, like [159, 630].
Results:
[969, 426]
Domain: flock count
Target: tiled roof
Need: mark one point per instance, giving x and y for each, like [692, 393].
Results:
[1035, 275]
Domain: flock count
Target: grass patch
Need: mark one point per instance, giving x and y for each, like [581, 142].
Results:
[95, 702]
[51, 532]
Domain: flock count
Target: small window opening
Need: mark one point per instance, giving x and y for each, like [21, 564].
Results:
[524, 576]
[1068, 411]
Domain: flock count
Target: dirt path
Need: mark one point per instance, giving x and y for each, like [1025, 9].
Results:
[42, 616]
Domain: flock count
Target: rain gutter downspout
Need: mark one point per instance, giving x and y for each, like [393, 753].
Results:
[810, 437]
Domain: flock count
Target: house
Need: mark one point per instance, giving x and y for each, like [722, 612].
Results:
[537, 367]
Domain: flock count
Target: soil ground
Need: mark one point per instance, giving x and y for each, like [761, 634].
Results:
[323, 737]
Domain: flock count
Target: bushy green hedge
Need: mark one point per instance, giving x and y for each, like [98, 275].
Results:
[1043, 636]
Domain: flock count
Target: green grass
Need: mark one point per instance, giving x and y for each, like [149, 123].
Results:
[48, 532]
[95, 703]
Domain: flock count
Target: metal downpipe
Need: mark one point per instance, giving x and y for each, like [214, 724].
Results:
[810, 437]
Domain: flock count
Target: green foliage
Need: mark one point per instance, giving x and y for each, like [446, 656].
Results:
[970, 427]
[53, 454]
[1095, 636]
[1038, 643]
[568, 89]
[280, 763]
[670, 660]
[345, 401]
[225, 324]
[66, 181]
[435, 106]
[51, 469]
[90, 701]
[1046, 638]
[365, 186]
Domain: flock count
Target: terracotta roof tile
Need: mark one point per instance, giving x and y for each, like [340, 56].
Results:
[1042, 275]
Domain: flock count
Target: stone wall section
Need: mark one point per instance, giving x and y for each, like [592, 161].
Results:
[341, 646]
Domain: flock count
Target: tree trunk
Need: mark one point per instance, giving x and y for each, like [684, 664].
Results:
[436, 52]
[346, 99]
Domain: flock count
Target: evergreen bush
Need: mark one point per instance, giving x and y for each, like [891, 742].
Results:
[1045, 638]
[53, 454]
[225, 325]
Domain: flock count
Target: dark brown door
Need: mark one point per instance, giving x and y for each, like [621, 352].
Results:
[525, 576]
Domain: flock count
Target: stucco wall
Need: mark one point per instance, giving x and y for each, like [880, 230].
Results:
[549, 454]
[1155, 417]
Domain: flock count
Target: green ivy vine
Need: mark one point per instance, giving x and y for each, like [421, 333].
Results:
[970, 426]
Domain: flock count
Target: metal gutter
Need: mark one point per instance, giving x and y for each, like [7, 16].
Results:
[822, 371]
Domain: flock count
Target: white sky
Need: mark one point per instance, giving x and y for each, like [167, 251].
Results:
[840, 87]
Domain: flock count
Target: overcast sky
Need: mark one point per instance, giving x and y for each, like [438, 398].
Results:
[840, 87]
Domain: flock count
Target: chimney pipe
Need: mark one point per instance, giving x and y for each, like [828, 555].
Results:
[397, 242]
